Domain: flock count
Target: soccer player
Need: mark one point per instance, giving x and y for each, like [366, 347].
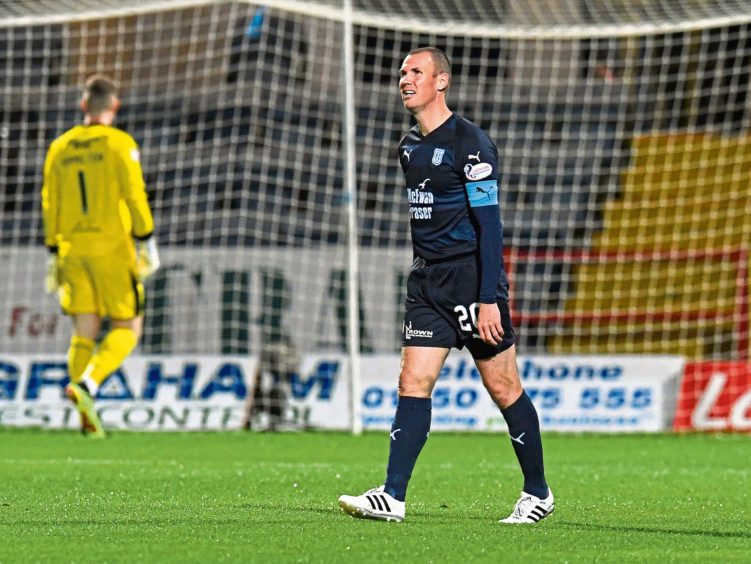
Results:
[98, 228]
[457, 290]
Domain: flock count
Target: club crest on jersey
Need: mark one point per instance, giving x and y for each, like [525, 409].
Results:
[478, 171]
[437, 156]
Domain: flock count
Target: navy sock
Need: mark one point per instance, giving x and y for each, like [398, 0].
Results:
[524, 430]
[408, 435]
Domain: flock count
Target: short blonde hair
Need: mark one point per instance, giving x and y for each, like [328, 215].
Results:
[441, 62]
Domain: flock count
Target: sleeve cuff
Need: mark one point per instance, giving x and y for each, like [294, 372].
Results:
[143, 237]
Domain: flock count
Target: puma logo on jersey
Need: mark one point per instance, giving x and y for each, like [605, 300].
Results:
[483, 191]
[406, 153]
[475, 157]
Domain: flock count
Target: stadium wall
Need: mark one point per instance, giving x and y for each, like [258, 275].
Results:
[188, 392]
[714, 396]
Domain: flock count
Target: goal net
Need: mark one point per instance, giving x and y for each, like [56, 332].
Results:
[270, 162]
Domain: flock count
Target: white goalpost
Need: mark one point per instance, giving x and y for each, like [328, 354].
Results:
[268, 134]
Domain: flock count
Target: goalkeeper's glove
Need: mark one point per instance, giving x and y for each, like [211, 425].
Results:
[52, 276]
[147, 258]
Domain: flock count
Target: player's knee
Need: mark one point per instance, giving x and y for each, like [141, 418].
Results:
[86, 325]
[135, 325]
[504, 396]
[414, 385]
[137, 330]
[504, 389]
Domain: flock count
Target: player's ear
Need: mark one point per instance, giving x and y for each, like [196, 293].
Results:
[443, 82]
[115, 104]
[83, 105]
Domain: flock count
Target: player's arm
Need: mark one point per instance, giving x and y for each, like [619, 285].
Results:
[50, 211]
[50, 195]
[134, 191]
[134, 194]
[488, 219]
[480, 169]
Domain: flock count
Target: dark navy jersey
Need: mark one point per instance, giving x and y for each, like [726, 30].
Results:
[452, 190]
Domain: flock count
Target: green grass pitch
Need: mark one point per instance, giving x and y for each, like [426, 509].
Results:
[262, 497]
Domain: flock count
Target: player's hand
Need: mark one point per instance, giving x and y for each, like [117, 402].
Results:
[489, 324]
[52, 276]
[147, 258]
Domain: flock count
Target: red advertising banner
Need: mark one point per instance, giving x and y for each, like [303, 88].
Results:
[714, 396]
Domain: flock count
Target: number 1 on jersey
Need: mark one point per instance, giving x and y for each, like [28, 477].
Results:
[82, 186]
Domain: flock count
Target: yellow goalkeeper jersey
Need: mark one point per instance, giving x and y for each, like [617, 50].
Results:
[93, 198]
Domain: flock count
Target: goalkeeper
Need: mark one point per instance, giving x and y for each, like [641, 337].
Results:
[98, 228]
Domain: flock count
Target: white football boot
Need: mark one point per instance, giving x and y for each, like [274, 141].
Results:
[531, 509]
[373, 504]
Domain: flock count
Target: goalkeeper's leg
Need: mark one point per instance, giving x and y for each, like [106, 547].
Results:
[109, 355]
[111, 352]
[81, 349]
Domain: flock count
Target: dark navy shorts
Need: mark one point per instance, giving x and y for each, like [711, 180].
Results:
[441, 308]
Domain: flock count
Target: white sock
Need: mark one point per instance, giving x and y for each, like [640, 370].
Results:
[92, 386]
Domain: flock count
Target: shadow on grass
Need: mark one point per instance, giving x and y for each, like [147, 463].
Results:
[660, 530]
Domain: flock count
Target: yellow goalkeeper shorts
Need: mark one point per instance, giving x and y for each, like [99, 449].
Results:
[105, 285]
